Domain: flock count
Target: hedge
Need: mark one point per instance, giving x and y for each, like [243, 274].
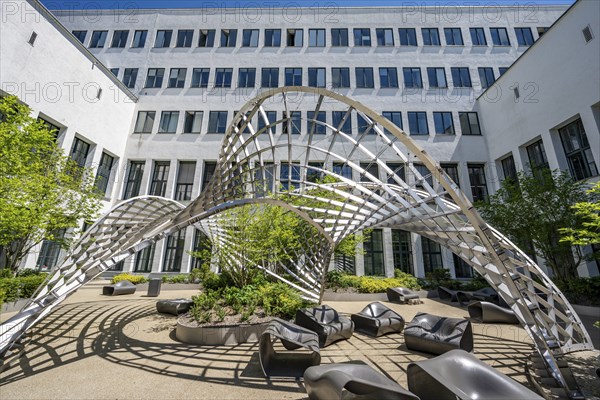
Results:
[135, 279]
[23, 287]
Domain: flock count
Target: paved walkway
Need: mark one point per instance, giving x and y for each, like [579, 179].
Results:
[96, 347]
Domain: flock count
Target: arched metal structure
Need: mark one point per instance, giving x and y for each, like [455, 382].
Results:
[258, 165]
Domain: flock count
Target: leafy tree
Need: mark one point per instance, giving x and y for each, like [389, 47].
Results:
[589, 214]
[41, 190]
[533, 210]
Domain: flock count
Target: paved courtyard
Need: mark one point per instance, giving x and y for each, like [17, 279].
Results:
[96, 347]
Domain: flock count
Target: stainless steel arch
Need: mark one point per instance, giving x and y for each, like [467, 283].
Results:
[258, 163]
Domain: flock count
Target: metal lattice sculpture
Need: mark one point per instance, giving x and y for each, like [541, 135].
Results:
[256, 165]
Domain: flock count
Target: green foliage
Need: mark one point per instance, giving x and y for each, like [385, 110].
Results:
[196, 274]
[42, 191]
[135, 279]
[371, 284]
[279, 299]
[589, 214]
[440, 277]
[478, 282]
[181, 278]
[12, 289]
[533, 211]
[583, 291]
[6, 273]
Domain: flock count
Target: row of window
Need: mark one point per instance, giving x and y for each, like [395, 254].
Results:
[339, 37]
[418, 124]
[364, 77]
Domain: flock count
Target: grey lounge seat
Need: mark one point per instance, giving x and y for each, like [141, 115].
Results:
[174, 306]
[488, 312]
[122, 287]
[329, 325]
[400, 294]
[447, 294]
[351, 381]
[377, 319]
[460, 375]
[154, 287]
[437, 335]
[292, 337]
[486, 294]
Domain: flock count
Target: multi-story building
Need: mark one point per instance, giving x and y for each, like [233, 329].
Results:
[431, 70]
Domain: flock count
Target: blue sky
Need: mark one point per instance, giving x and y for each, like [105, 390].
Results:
[139, 4]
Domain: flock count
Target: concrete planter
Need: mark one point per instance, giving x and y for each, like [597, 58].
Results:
[218, 335]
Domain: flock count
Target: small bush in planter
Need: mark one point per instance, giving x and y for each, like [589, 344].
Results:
[135, 279]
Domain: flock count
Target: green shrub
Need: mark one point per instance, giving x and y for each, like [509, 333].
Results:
[583, 291]
[6, 273]
[135, 279]
[440, 277]
[181, 278]
[478, 282]
[196, 275]
[20, 287]
[29, 272]
[2, 296]
[281, 300]
[370, 284]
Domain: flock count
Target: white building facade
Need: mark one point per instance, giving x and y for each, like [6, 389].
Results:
[186, 72]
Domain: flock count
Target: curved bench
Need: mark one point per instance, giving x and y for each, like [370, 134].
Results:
[434, 334]
[485, 294]
[119, 288]
[400, 295]
[328, 324]
[488, 312]
[377, 320]
[447, 294]
[174, 306]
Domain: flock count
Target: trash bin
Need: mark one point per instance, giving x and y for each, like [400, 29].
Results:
[154, 287]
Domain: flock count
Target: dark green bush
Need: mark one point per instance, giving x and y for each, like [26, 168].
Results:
[6, 273]
[478, 282]
[181, 278]
[280, 300]
[583, 291]
[12, 289]
[440, 277]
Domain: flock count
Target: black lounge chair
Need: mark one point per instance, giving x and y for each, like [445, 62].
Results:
[174, 306]
[400, 295]
[447, 294]
[434, 334]
[326, 322]
[377, 319]
[460, 375]
[122, 287]
[351, 381]
[491, 313]
[292, 337]
[486, 294]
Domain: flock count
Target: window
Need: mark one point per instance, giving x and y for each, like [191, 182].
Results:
[339, 37]
[163, 38]
[453, 37]
[223, 77]
[314, 171]
[174, 251]
[316, 37]
[79, 152]
[168, 122]
[177, 77]
[270, 77]
[398, 172]
[313, 121]
[452, 171]
[385, 37]
[184, 38]
[145, 122]
[369, 168]
[337, 118]
[469, 123]
[130, 77]
[502, 70]
[206, 38]
[388, 77]
[478, 181]
[294, 123]
[537, 158]
[272, 37]
[134, 179]
[461, 268]
[393, 116]
[364, 77]
[417, 123]
[342, 170]
[201, 244]
[200, 77]
[289, 175]
[117, 267]
[524, 36]
[412, 77]
[144, 259]
[160, 177]
[542, 30]
[250, 38]
[217, 122]
[437, 77]
[444, 125]
[432, 255]
[53, 129]
[363, 126]
[402, 251]
[316, 77]
[577, 150]
[50, 251]
[294, 38]
[228, 37]
[154, 78]
[431, 36]
[408, 36]
[207, 174]
[499, 37]
[362, 37]
[509, 170]
[98, 39]
[139, 39]
[185, 180]
[103, 173]
[293, 77]
[461, 77]
[486, 76]
[340, 78]
[478, 36]
[193, 122]
[425, 176]
[115, 71]
[80, 35]
[119, 39]
[246, 77]
[373, 257]
[271, 118]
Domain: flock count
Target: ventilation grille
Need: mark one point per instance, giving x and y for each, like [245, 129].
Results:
[587, 33]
